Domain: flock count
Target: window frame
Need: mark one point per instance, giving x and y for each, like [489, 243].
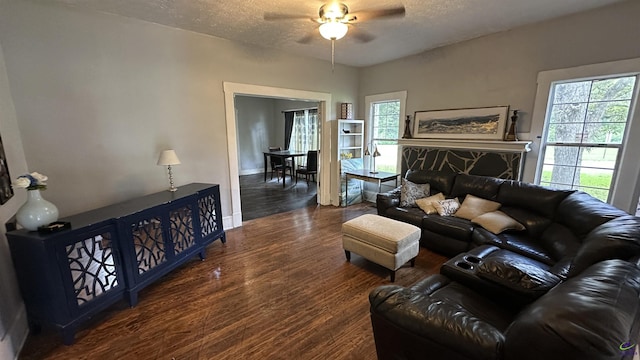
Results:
[369, 100]
[628, 170]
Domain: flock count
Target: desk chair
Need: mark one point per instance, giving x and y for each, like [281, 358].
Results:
[311, 169]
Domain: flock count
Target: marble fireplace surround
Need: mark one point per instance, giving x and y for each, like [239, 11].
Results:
[502, 159]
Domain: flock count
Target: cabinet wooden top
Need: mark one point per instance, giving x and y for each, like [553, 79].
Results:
[122, 209]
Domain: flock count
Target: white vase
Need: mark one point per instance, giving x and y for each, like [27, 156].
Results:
[36, 211]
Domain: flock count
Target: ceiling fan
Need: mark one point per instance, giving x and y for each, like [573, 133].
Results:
[334, 19]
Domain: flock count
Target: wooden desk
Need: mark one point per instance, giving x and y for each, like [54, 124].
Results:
[367, 175]
[284, 155]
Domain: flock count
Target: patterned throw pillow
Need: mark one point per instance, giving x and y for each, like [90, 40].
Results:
[447, 207]
[426, 204]
[410, 192]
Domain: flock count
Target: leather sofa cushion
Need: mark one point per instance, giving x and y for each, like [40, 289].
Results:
[412, 216]
[518, 273]
[453, 227]
[532, 221]
[480, 186]
[559, 241]
[518, 243]
[616, 239]
[586, 317]
[582, 213]
[439, 181]
[535, 198]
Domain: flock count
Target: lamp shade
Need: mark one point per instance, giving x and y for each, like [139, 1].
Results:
[168, 157]
[376, 153]
[333, 30]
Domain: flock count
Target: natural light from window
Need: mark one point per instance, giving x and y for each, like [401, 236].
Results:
[586, 123]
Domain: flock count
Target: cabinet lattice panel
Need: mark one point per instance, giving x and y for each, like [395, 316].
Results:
[93, 271]
[149, 244]
[181, 224]
[208, 216]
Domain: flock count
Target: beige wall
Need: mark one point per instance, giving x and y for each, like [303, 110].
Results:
[99, 96]
[501, 69]
[13, 323]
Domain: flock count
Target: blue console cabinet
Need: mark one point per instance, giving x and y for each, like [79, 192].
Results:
[112, 253]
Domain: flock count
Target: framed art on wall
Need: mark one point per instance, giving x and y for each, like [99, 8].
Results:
[6, 191]
[486, 123]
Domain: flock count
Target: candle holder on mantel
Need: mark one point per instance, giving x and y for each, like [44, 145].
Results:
[512, 134]
[407, 128]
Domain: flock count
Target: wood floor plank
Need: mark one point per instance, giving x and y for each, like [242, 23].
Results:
[280, 288]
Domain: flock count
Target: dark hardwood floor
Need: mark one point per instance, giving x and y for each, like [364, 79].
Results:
[280, 288]
[260, 198]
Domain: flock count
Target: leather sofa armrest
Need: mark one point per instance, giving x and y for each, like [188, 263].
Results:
[416, 321]
[524, 277]
[387, 200]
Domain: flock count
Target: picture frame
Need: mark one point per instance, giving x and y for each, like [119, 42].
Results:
[486, 123]
[6, 191]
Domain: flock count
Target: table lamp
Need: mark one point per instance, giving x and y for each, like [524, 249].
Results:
[376, 153]
[168, 158]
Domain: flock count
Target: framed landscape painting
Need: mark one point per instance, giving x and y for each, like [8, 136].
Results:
[486, 123]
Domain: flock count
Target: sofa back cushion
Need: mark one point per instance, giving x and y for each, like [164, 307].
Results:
[615, 239]
[559, 241]
[440, 181]
[586, 317]
[535, 198]
[582, 213]
[535, 223]
[481, 186]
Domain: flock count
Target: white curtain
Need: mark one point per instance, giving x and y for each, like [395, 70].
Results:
[304, 136]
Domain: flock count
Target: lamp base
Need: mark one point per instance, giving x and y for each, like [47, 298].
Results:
[173, 189]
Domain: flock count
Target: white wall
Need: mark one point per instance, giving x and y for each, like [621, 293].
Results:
[13, 322]
[260, 124]
[99, 96]
[501, 69]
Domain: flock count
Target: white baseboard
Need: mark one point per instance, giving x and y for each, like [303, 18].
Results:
[251, 171]
[16, 336]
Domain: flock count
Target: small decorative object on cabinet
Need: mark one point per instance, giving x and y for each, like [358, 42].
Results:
[512, 134]
[111, 253]
[407, 128]
[36, 211]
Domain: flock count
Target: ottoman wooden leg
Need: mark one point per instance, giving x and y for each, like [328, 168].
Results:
[413, 262]
[348, 255]
[392, 274]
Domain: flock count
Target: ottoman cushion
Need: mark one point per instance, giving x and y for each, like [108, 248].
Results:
[387, 234]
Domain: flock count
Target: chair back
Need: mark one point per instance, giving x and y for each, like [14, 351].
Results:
[275, 161]
[312, 160]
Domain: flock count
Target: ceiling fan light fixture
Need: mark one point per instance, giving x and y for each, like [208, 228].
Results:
[333, 30]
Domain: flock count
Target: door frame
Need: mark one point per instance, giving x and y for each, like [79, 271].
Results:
[230, 91]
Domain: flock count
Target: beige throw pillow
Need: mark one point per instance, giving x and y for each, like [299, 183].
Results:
[426, 204]
[473, 206]
[497, 222]
[447, 207]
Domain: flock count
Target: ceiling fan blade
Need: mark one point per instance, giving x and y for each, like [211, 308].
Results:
[273, 16]
[364, 15]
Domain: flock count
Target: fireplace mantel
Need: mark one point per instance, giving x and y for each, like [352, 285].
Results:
[483, 145]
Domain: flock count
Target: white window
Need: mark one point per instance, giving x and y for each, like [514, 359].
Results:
[385, 120]
[588, 123]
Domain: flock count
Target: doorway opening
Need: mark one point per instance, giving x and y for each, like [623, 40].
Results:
[232, 90]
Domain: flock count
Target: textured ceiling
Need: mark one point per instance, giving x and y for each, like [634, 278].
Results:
[426, 25]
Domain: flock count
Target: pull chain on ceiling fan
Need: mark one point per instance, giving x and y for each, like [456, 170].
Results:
[334, 20]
